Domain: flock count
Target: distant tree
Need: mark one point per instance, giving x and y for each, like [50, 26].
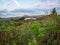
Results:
[22, 18]
[54, 11]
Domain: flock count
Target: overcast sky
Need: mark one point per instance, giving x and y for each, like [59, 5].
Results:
[24, 4]
[29, 4]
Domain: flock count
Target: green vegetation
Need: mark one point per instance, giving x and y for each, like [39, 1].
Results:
[35, 33]
[54, 11]
[30, 33]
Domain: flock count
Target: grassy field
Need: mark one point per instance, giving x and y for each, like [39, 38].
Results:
[45, 32]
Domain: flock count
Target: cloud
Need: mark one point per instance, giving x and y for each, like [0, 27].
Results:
[1, 7]
[47, 5]
[30, 6]
[16, 2]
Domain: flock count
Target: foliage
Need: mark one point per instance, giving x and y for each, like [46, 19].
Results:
[54, 11]
[35, 33]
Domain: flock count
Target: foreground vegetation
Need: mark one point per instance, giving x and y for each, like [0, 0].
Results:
[31, 33]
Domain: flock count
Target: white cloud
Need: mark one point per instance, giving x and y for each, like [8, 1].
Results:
[16, 2]
[46, 5]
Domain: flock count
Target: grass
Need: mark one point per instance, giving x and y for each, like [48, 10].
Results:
[30, 33]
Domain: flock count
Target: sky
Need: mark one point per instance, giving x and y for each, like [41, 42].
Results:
[31, 5]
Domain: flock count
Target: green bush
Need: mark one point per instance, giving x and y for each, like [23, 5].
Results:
[35, 34]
